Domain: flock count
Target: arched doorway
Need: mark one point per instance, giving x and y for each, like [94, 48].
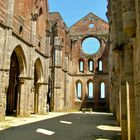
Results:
[12, 106]
[15, 101]
[37, 80]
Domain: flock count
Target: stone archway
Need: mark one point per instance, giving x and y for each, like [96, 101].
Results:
[37, 82]
[13, 89]
[17, 69]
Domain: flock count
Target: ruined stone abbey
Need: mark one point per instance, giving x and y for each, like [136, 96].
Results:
[42, 62]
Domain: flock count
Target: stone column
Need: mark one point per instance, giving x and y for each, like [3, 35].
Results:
[116, 55]
[57, 73]
[23, 106]
[10, 12]
[5, 43]
[33, 35]
[129, 22]
[21, 98]
[96, 97]
[42, 97]
[130, 91]
[4, 80]
[137, 102]
[48, 42]
[137, 70]
[114, 44]
[123, 99]
[66, 82]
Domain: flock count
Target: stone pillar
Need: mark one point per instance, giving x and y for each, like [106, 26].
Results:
[129, 22]
[57, 61]
[5, 43]
[96, 96]
[66, 82]
[33, 35]
[123, 99]
[4, 80]
[137, 70]
[114, 44]
[10, 12]
[117, 86]
[23, 106]
[42, 97]
[48, 42]
[130, 91]
[137, 102]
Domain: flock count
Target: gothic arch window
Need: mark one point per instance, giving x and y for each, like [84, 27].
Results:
[100, 65]
[81, 65]
[90, 90]
[90, 65]
[102, 90]
[78, 90]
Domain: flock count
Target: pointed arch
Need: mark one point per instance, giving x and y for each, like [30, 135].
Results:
[38, 70]
[81, 65]
[79, 89]
[17, 69]
[38, 76]
[100, 65]
[21, 59]
[90, 87]
[102, 90]
[91, 65]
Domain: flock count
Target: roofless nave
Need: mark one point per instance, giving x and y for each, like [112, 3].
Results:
[42, 61]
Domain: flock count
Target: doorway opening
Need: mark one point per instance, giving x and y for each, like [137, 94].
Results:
[12, 106]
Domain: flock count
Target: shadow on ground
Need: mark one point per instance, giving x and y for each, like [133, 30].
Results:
[82, 126]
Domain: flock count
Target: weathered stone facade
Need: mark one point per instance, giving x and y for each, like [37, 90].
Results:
[79, 32]
[40, 60]
[66, 53]
[124, 23]
[24, 63]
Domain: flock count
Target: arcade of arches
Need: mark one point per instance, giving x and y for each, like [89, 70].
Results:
[42, 61]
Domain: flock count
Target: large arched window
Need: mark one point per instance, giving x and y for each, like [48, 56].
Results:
[81, 66]
[90, 90]
[102, 90]
[79, 89]
[100, 65]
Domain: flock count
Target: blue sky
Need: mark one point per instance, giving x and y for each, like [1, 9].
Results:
[73, 10]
